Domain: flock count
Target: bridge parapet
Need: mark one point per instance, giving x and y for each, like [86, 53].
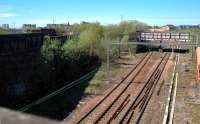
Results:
[19, 57]
[166, 36]
[20, 43]
[12, 117]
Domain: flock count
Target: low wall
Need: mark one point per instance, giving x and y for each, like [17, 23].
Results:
[19, 54]
[12, 117]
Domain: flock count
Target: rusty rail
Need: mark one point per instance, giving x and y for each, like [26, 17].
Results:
[102, 100]
[123, 91]
[147, 88]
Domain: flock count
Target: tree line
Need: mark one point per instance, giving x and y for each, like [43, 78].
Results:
[61, 62]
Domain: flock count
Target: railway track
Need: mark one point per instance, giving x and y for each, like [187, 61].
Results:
[137, 107]
[121, 107]
[121, 86]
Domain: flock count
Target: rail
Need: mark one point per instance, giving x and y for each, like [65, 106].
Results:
[169, 99]
[108, 94]
[143, 100]
[137, 73]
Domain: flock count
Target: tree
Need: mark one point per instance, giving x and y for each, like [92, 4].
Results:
[127, 27]
[125, 38]
[50, 49]
[117, 32]
[112, 32]
[90, 37]
[70, 50]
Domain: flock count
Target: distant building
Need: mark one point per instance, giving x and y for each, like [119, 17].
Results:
[28, 26]
[185, 26]
[5, 26]
[188, 26]
[61, 29]
[165, 28]
[54, 26]
[45, 31]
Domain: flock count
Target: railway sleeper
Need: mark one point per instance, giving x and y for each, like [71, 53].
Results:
[121, 106]
[150, 85]
[116, 115]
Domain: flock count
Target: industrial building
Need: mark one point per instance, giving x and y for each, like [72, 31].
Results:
[5, 26]
[54, 26]
[28, 26]
[165, 28]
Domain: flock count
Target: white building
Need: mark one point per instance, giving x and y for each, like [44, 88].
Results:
[5, 26]
[29, 26]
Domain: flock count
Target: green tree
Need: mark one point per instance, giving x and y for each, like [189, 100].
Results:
[51, 49]
[112, 32]
[127, 27]
[117, 32]
[70, 50]
[125, 38]
[90, 37]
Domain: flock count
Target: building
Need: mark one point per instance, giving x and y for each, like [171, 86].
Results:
[188, 26]
[60, 29]
[55, 26]
[28, 26]
[165, 28]
[45, 31]
[5, 26]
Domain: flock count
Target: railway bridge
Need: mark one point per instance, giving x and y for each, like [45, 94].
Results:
[164, 36]
[164, 39]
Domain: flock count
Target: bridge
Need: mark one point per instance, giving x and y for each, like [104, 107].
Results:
[164, 36]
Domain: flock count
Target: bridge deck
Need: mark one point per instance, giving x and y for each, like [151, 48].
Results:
[166, 36]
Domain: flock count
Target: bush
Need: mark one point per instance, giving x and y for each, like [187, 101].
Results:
[2, 31]
[60, 63]
[50, 50]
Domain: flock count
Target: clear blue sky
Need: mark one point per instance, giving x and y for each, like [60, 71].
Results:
[153, 12]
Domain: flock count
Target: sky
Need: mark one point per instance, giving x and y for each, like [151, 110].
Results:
[152, 12]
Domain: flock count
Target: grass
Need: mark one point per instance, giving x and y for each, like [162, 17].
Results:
[95, 82]
[186, 76]
[100, 77]
[92, 86]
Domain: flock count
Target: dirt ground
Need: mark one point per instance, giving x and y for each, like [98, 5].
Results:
[187, 107]
[154, 112]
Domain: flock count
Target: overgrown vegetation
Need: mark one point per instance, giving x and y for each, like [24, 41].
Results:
[189, 30]
[2, 31]
[92, 39]
[59, 64]
[68, 61]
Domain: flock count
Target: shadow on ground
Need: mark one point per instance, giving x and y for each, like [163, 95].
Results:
[57, 107]
[143, 49]
[60, 106]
